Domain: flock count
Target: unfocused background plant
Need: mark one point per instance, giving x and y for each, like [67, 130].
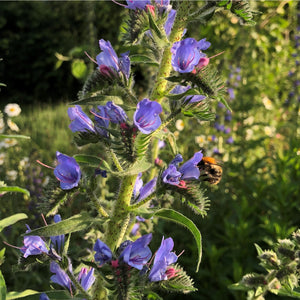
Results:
[256, 200]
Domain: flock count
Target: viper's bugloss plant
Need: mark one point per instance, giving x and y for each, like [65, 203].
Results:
[123, 142]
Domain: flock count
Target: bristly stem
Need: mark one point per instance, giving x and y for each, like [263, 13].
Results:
[165, 65]
[118, 223]
[116, 161]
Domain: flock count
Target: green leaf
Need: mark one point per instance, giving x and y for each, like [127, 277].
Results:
[11, 220]
[143, 59]
[2, 256]
[79, 69]
[14, 136]
[92, 161]
[18, 295]
[14, 189]
[2, 287]
[73, 224]
[285, 292]
[238, 287]
[141, 165]
[99, 98]
[172, 215]
[259, 250]
[34, 295]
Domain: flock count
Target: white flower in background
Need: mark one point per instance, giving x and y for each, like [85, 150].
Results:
[12, 125]
[2, 158]
[200, 139]
[269, 130]
[179, 125]
[2, 125]
[249, 134]
[45, 181]
[11, 175]
[12, 109]
[24, 162]
[6, 143]
[249, 120]
[267, 103]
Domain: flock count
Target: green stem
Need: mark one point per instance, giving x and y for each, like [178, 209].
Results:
[116, 161]
[165, 65]
[78, 285]
[118, 223]
[141, 203]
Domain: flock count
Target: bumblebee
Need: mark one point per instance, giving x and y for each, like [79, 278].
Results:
[210, 169]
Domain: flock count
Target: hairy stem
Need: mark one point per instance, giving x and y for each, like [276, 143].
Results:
[118, 223]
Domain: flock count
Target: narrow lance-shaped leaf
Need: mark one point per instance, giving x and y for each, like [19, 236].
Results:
[11, 220]
[172, 215]
[14, 136]
[92, 161]
[73, 224]
[2, 287]
[14, 189]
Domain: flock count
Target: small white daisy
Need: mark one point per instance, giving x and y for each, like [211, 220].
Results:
[12, 109]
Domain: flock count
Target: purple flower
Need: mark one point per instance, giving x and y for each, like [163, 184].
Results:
[115, 113]
[80, 121]
[103, 253]
[176, 160]
[171, 175]
[67, 171]
[33, 245]
[85, 278]
[137, 4]
[180, 89]
[138, 185]
[59, 240]
[138, 253]
[146, 117]
[187, 53]
[60, 276]
[43, 296]
[109, 63]
[147, 189]
[101, 120]
[170, 21]
[231, 93]
[230, 140]
[135, 229]
[189, 169]
[163, 258]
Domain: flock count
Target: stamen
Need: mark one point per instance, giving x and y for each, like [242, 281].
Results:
[12, 245]
[118, 3]
[90, 58]
[45, 222]
[93, 113]
[39, 162]
[216, 55]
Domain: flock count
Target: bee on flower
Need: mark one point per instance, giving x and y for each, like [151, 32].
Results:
[12, 109]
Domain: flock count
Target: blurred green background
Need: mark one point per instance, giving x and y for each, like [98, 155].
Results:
[42, 46]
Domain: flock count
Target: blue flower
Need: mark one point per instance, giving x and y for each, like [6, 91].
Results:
[109, 63]
[59, 240]
[43, 296]
[231, 93]
[115, 113]
[171, 175]
[103, 253]
[80, 121]
[67, 171]
[170, 21]
[137, 4]
[85, 278]
[187, 53]
[163, 258]
[138, 253]
[141, 192]
[230, 140]
[146, 117]
[33, 245]
[189, 169]
[101, 120]
[60, 276]
[180, 89]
